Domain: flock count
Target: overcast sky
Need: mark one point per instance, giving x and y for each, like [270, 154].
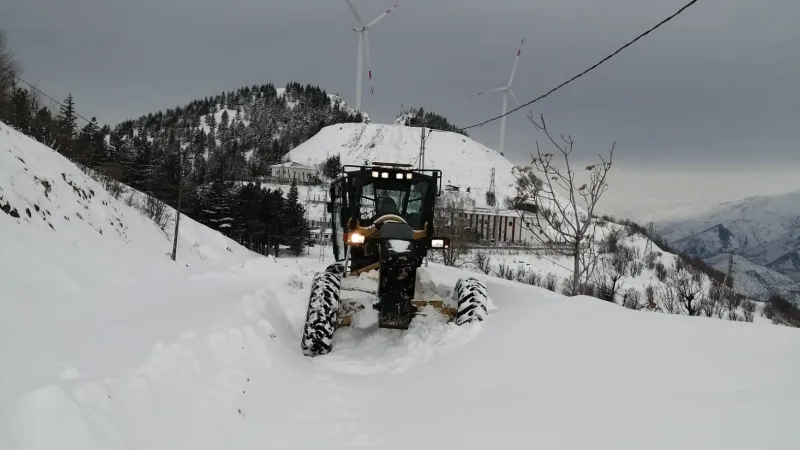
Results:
[717, 85]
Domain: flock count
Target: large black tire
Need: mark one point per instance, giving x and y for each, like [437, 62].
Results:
[323, 310]
[336, 268]
[472, 301]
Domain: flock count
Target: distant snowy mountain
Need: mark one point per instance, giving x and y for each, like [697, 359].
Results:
[465, 163]
[763, 229]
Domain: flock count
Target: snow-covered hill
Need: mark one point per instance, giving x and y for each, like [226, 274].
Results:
[81, 272]
[763, 229]
[108, 344]
[464, 163]
[754, 280]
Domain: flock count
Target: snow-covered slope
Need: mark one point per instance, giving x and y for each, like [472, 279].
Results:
[108, 344]
[756, 281]
[763, 229]
[83, 276]
[464, 163]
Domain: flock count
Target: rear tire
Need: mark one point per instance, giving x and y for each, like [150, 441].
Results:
[323, 310]
[472, 301]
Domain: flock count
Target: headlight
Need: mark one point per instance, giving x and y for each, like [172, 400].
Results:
[356, 238]
[437, 243]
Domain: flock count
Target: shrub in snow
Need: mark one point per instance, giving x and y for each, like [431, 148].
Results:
[749, 308]
[534, 279]
[631, 299]
[781, 311]
[650, 297]
[505, 271]
[661, 272]
[483, 261]
[551, 282]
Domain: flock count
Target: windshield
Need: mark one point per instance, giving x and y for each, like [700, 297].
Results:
[405, 200]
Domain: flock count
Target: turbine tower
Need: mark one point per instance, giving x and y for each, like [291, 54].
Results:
[363, 50]
[506, 92]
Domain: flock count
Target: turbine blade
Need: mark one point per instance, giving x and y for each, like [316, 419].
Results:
[382, 16]
[514, 68]
[369, 63]
[359, 69]
[514, 97]
[355, 13]
[490, 90]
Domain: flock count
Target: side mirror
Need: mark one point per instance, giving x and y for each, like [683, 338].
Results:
[439, 243]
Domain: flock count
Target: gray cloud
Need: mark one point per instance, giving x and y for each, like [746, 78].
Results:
[718, 84]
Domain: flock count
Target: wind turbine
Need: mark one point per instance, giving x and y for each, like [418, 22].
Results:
[363, 48]
[506, 92]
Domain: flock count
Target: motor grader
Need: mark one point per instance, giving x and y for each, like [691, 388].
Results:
[382, 228]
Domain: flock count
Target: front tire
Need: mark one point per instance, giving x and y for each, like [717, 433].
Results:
[323, 310]
[472, 300]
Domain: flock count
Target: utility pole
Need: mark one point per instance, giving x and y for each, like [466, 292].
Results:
[178, 210]
[422, 149]
[648, 248]
[323, 242]
[728, 276]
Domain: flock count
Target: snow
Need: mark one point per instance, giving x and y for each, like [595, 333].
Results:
[111, 345]
[464, 162]
[399, 246]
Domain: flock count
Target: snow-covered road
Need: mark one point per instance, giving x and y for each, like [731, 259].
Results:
[543, 371]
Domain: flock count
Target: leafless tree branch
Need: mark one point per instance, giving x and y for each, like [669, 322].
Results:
[557, 221]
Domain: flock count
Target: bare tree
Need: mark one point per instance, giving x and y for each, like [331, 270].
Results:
[557, 220]
[712, 306]
[611, 270]
[9, 70]
[687, 284]
[749, 308]
[450, 220]
[668, 298]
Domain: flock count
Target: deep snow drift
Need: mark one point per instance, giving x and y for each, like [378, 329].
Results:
[111, 345]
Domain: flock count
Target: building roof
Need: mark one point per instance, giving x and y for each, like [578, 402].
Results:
[293, 165]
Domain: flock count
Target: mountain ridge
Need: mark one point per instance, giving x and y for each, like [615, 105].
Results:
[764, 230]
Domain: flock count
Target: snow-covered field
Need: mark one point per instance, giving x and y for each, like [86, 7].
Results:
[108, 344]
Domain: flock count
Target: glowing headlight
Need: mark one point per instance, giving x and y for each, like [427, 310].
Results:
[356, 238]
[437, 243]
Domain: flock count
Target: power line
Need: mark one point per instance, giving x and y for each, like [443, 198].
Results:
[55, 101]
[585, 71]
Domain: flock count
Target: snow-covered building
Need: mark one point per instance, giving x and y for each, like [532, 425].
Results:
[506, 226]
[291, 170]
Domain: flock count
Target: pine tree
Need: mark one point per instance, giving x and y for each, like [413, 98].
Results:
[295, 221]
[67, 124]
